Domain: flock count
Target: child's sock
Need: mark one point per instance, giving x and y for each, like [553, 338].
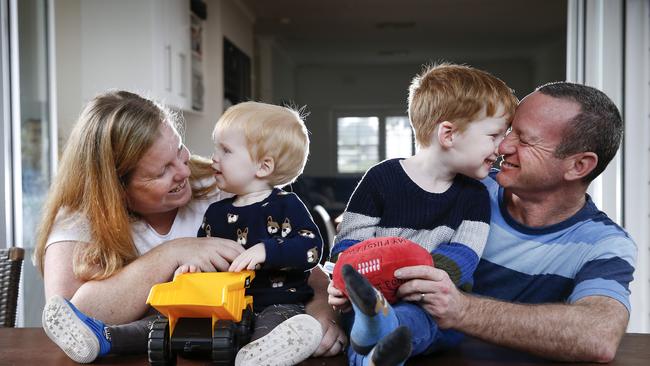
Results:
[392, 350]
[81, 337]
[373, 316]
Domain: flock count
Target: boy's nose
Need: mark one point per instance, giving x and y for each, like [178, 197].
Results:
[505, 147]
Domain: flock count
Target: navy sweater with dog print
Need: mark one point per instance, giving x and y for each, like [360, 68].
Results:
[291, 238]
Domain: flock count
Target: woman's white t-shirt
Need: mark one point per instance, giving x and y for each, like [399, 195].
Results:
[73, 226]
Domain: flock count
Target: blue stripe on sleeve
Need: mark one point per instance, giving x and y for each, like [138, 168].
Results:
[601, 287]
[614, 269]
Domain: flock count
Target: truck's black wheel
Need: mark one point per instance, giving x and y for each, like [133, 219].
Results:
[158, 347]
[225, 343]
[245, 326]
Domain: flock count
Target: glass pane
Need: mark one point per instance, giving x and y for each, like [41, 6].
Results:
[358, 143]
[399, 137]
[34, 140]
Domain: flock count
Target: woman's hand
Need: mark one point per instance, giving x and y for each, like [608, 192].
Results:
[433, 290]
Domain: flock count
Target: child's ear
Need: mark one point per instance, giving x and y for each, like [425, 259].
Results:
[266, 167]
[446, 131]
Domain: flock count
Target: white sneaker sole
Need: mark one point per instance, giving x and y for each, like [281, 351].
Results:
[291, 342]
[70, 333]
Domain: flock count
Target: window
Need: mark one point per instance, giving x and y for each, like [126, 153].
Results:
[365, 140]
[358, 143]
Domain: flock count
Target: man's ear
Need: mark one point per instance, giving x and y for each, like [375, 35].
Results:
[580, 165]
[266, 167]
[445, 134]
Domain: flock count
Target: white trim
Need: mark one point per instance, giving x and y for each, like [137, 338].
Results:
[604, 70]
[52, 96]
[6, 206]
[575, 71]
[15, 125]
[637, 155]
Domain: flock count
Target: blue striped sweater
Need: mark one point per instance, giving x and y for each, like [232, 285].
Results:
[585, 255]
[453, 226]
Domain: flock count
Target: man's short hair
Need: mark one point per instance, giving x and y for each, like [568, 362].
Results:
[273, 131]
[455, 93]
[597, 128]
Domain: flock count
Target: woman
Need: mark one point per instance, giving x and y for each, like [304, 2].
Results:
[123, 212]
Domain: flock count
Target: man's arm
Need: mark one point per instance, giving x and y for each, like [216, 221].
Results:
[588, 330]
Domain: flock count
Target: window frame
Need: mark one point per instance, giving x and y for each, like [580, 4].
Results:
[381, 112]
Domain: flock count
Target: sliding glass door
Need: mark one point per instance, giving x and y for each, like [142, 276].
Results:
[29, 137]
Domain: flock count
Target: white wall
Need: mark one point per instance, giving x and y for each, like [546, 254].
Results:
[67, 29]
[225, 19]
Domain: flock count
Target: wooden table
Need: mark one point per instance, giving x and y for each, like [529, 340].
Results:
[30, 346]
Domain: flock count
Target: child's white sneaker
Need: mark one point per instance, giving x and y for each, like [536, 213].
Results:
[291, 342]
[78, 335]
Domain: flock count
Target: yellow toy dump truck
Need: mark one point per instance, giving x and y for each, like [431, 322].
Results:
[207, 314]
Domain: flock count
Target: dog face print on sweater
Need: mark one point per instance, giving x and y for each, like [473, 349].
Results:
[286, 227]
[306, 233]
[242, 236]
[206, 227]
[232, 218]
[312, 255]
[272, 227]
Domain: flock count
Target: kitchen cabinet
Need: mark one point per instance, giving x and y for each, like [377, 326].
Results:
[138, 45]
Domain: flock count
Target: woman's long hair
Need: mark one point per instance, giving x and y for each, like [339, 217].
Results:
[112, 134]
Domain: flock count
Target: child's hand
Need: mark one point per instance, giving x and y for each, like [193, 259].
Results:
[337, 299]
[185, 268]
[249, 259]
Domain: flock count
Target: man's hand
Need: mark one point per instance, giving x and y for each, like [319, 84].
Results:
[249, 259]
[433, 290]
[337, 299]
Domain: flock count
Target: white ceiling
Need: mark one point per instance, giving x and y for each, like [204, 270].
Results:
[445, 21]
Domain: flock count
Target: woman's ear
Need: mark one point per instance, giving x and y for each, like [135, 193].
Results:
[446, 134]
[266, 167]
[580, 165]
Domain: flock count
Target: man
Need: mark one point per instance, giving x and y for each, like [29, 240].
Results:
[559, 268]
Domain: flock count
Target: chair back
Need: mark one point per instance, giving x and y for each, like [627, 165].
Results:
[326, 228]
[11, 263]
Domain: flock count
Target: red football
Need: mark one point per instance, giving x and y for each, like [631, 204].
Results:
[377, 259]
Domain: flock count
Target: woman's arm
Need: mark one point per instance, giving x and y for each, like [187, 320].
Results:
[334, 339]
[122, 297]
